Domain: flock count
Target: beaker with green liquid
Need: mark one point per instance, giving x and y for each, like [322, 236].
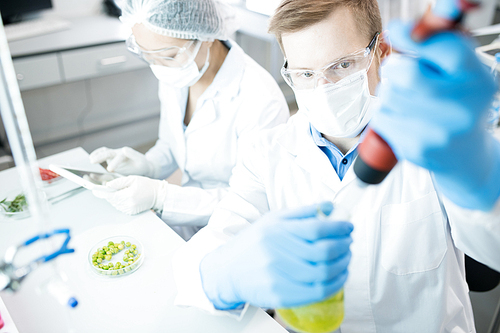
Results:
[327, 315]
[321, 317]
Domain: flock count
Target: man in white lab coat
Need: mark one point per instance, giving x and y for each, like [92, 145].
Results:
[405, 263]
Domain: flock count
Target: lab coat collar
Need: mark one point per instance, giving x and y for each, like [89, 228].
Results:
[228, 78]
[226, 81]
[297, 140]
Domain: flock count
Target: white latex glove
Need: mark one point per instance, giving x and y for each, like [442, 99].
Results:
[135, 194]
[125, 161]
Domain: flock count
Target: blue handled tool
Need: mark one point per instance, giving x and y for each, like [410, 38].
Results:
[12, 276]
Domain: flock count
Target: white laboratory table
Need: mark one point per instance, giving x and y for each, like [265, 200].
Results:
[139, 302]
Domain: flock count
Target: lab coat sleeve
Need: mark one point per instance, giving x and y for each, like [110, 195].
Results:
[193, 206]
[245, 203]
[476, 233]
[190, 206]
[261, 112]
[161, 156]
[161, 153]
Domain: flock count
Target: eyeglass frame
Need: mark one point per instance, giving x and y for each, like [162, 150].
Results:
[367, 51]
[136, 49]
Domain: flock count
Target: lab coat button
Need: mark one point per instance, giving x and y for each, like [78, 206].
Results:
[344, 161]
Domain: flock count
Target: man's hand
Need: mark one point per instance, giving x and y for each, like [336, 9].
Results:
[433, 113]
[285, 259]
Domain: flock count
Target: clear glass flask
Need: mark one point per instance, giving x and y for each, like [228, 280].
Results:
[327, 315]
[322, 317]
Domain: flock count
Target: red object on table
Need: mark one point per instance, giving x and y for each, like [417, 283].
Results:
[2, 324]
[48, 174]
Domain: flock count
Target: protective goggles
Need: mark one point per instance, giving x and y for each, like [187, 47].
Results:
[173, 56]
[333, 72]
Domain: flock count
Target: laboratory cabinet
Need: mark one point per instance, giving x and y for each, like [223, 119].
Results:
[37, 71]
[82, 87]
[112, 110]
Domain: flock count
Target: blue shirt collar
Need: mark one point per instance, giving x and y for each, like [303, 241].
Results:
[320, 141]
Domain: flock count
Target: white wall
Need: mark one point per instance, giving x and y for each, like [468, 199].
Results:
[76, 8]
[412, 10]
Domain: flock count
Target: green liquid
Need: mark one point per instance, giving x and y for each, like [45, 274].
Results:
[322, 317]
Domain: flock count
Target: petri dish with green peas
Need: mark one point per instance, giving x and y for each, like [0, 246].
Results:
[116, 256]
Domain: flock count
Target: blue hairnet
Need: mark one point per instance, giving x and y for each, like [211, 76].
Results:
[186, 19]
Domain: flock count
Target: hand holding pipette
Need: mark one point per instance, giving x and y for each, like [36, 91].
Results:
[434, 114]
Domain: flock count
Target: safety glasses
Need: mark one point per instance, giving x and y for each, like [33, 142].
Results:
[333, 72]
[173, 56]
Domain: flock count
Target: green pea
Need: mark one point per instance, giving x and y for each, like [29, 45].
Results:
[105, 248]
[111, 265]
[99, 260]
[108, 257]
[127, 251]
[133, 246]
[95, 263]
[120, 247]
[135, 251]
[125, 257]
[127, 244]
[130, 255]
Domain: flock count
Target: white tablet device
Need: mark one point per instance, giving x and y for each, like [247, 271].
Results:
[89, 179]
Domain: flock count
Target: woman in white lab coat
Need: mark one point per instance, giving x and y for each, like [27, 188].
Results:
[212, 95]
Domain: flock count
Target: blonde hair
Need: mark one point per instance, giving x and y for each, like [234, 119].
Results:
[295, 15]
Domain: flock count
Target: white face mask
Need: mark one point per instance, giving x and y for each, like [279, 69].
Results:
[340, 110]
[180, 77]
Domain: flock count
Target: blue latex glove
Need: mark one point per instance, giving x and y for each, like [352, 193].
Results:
[285, 259]
[433, 113]
[448, 9]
